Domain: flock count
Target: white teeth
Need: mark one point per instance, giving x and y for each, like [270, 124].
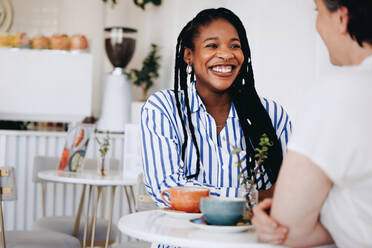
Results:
[222, 68]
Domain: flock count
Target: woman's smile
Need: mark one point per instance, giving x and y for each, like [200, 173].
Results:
[216, 57]
[223, 70]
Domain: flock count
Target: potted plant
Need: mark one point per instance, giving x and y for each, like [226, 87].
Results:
[103, 163]
[141, 3]
[250, 184]
[145, 76]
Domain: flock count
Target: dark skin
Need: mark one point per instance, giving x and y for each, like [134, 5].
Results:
[217, 105]
[216, 59]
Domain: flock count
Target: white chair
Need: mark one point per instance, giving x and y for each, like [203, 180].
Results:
[65, 224]
[27, 239]
[132, 160]
[143, 200]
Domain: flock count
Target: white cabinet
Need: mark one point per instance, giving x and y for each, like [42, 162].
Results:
[45, 85]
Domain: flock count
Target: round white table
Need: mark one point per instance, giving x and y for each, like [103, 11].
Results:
[88, 177]
[92, 179]
[158, 227]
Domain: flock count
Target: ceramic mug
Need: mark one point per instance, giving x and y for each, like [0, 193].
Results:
[222, 211]
[186, 198]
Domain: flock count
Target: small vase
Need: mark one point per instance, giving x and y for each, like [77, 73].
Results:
[103, 166]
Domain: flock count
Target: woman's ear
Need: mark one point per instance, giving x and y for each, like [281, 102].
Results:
[188, 56]
[343, 20]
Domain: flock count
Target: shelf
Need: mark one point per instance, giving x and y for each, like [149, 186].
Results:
[45, 85]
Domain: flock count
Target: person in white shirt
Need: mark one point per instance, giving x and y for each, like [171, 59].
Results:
[323, 193]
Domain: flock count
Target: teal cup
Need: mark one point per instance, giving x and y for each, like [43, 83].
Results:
[222, 211]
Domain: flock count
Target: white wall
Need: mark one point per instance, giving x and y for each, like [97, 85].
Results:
[287, 54]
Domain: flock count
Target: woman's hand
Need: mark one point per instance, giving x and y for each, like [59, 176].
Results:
[268, 229]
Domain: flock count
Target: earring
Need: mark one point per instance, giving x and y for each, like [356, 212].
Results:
[188, 69]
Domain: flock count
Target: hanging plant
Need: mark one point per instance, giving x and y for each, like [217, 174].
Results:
[113, 1]
[139, 3]
[142, 3]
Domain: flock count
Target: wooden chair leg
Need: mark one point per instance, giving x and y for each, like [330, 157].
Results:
[93, 226]
[2, 224]
[103, 202]
[133, 198]
[87, 217]
[75, 232]
[110, 220]
[128, 200]
[42, 185]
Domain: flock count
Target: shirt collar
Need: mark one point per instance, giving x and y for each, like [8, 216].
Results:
[197, 103]
[195, 100]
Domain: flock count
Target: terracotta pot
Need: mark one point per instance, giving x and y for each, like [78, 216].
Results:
[21, 40]
[40, 42]
[78, 42]
[59, 42]
[5, 40]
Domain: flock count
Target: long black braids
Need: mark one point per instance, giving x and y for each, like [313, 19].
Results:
[253, 117]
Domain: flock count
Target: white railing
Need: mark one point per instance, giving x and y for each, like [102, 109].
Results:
[18, 148]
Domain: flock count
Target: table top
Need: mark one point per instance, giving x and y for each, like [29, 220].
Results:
[158, 227]
[89, 177]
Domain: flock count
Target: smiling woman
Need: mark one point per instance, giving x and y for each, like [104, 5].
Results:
[188, 133]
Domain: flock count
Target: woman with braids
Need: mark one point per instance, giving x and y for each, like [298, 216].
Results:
[188, 133]
[324, 187]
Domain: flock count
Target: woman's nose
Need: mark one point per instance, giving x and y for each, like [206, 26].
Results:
[225, 54]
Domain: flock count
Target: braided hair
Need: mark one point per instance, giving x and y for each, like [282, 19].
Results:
[253, 117]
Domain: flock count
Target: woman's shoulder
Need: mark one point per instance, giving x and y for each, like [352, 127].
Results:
[162, 100]
[272, 107]
[277, 112]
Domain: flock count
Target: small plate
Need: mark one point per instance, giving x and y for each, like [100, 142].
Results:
[180, 214]
[241, 226]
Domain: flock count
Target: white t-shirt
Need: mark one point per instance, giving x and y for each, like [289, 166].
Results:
[334, 130]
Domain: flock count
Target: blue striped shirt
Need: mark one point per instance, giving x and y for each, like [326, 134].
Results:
[162, 138]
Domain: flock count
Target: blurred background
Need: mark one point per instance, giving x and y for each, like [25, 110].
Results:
[287, 54]
[55, 70]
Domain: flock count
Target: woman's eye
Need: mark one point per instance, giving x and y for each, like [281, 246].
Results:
[211, 45]
[235, 46]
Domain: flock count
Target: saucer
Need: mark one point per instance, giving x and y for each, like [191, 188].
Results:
[180, 214]
[241, 226]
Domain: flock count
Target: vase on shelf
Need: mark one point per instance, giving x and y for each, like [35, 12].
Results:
[103, 166]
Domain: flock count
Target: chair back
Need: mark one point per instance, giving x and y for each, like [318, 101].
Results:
[91, 164]
[143, 200]
[43, 163]
[7, 193]
[132, 150]
[7, 184]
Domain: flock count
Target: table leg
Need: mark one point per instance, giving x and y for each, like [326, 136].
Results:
[93, 227]
[110, 221]
[103, 202]
[2, 224]
[133, 197]
[43, 199]
[87, 217]
[75, 233]
[129, 205]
